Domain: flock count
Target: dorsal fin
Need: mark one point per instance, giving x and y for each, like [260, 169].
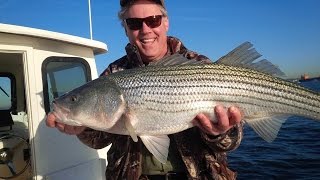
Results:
[175, 59]
[244, 56]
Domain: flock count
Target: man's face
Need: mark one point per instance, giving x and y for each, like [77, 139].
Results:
[151, 42]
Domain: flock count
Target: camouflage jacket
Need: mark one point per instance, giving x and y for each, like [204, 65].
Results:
[205, 160]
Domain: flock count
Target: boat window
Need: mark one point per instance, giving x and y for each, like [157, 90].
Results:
[7, 96]
[62, 74]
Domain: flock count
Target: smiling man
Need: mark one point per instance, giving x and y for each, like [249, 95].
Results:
[147, 29]
[196, 153]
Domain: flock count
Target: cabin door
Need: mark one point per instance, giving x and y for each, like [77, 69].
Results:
[56, 155]
[15, 149]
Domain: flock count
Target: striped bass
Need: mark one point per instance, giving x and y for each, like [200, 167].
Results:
[163, 98]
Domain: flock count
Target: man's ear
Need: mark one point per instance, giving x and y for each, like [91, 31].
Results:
[166, 23]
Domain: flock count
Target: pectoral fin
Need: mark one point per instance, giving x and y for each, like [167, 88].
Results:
[158, 146]
[267, 127]
[131, 130]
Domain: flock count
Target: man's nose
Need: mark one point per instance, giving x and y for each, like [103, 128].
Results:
[145, 27]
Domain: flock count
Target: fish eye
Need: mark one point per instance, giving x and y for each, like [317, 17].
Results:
[73, 98]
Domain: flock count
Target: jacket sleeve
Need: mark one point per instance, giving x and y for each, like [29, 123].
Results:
[96, 139]
[225, 142]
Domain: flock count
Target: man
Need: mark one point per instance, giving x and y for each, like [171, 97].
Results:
[197, 153]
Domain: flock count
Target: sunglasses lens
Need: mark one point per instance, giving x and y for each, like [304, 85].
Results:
[151, 21]
[134, 23]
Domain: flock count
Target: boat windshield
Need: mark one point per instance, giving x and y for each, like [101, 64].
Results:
[4, 91]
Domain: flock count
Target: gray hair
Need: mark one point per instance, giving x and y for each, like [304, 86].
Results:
[123, 11]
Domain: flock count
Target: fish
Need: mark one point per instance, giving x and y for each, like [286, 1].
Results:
[163, 98]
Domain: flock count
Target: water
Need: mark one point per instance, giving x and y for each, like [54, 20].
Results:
[295, 154]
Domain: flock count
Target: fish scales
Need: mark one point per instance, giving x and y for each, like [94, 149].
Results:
[188, 84]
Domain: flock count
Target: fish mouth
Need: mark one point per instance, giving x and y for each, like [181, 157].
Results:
[61, 113]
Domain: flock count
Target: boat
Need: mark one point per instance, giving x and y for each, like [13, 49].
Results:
[37, 66]
[306, 77]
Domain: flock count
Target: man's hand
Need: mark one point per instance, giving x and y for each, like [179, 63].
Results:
[226, 119]
[67, 129]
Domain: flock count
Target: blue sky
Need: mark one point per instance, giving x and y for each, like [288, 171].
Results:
[286, 32]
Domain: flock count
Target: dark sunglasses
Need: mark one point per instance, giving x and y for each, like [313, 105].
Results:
[151, 21]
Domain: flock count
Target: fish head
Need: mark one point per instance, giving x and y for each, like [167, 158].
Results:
[98, 104]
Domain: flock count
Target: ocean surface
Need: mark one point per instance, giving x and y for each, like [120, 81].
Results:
[294, 154]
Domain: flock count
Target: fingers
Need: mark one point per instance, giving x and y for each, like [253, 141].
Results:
[222, 117]
[51, 120]
[235, 115]
[226, 119]
[204, 123]
[67, 129]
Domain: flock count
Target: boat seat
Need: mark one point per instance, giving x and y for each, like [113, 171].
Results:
[6, 119]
